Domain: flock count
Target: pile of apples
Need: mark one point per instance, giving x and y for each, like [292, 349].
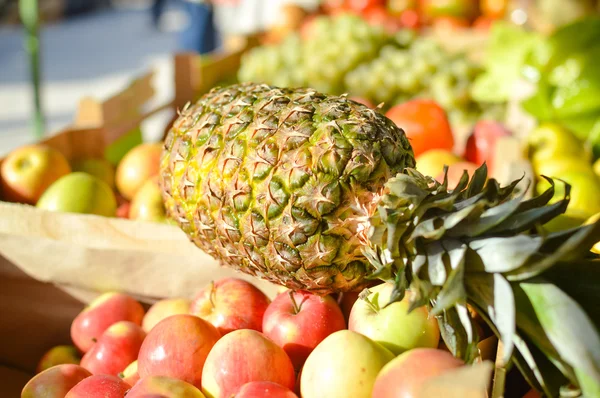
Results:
[230, 340]
[42, 176]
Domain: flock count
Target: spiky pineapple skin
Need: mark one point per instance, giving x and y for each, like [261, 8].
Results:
[281, 183]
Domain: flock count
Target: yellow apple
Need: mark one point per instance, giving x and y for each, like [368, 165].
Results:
[28, 171]
[136, 167]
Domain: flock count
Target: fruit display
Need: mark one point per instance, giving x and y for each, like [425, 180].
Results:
[305, 350]
[345, 54]
[42, 176]
[319, 193]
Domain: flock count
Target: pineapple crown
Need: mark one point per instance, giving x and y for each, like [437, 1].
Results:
[482, 244]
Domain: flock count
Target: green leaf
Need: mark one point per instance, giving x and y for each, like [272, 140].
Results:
[580, 35]
[529, 326]
[458, 335]
[580, 280]
[493, 293]
[504, 254]
[477, 181]
[506, 51]
[567, 326]
[526, 220]
[453, 291]
[573, 248]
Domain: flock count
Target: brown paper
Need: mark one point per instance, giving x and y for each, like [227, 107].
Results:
[98, 253]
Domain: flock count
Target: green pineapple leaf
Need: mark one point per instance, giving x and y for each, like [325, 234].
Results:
[458, 332]
[558, 314]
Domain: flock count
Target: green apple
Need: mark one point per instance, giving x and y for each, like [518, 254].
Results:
[147, 203]
[100, 168]
[393, 326]
[344, 365]
[79, 193]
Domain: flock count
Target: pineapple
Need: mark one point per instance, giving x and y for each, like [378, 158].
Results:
[319, 193]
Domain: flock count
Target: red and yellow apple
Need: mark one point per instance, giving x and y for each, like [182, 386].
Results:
[147, 203]
[392, 325]
[262, 389]
[28, 171]
[163, 309]
[482, 142]
[432, 162]
[456, 171]
[105, 310]
[241, 357]
[138, 165]
[59, 355]
[177, 347]
[345, 361]
[231, 304]
[105, 386]
[54, 382]
[116, 348]
[165, 387]
[130, 375]
[123, 210]
[99, 168]
[406, 374]
[299, 321]
[79, 193]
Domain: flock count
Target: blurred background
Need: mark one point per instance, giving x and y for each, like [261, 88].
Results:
[95, 47]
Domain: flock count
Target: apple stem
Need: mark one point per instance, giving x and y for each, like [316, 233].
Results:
[213, 292]
[294, 303]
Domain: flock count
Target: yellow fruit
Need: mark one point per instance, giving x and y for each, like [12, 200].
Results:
[596, 167]
[556, 168]
[585, 193]
[432, 162]
[550, 141]
[591, 220]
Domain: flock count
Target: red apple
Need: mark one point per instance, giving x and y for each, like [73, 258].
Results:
[61, 354]
[163, 309]
[177, 347]
[123, 210]
[344, 362]
[137, 166]
[105, 310]
[54, 382]
[118, 346]
[231, 304]
[162, 386]
[404, 376]
[241, 357]
[105, 386]
[482, 142]
[130, 375]
[261, 389]
[298, 322]
[346, 301]
[28, 171]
